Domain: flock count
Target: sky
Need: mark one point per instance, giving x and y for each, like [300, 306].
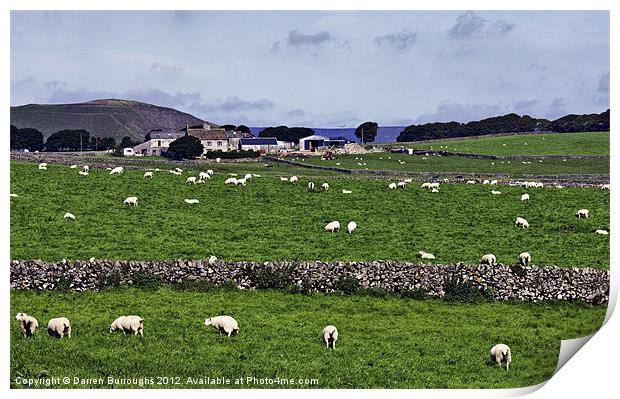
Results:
[318, 69]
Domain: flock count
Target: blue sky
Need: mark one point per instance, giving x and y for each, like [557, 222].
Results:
[318, 69]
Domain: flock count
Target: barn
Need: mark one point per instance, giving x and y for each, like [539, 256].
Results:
[264, 145]
[311, 143]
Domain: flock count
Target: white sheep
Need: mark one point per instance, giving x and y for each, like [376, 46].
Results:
[602, 232]
[488, 259]
[283, 178]
[470, 182]
[174, 172]
[27, 324]
[522, 222]
[392, 186]
[485, 181]
[494, 192]
[43, 164]
[225, 324]
[539, 185]
[433, 185]
[525, 258]
[247, 176]
[85, 168]
[525, 198]
[426, 185]
[325, 186]
[117, 171]
[330, 336]
[346, 191]
[191, 201]
[131, 201]
[231, 180]
[191, 180]
[14, 195]
[83, 173]
[582, 213]
[401, 184]
[434, 190]
[210, 172]
[179, 170]
[255, 175]
[408, 181]
[69, 215]
[241, 182]
[351, 227]
[59, 327]
[204, 176]
[42, 167]
[426, 255]
[212, 259]
[148, 175]
[311, 186]
[332, 226]
[293, 179]
[131, 324]
[604, 186]
[493, 182]
[500, 353]
[73, 167]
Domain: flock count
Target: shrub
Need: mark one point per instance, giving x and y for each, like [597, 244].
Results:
[145, 280]
[201, 285]
[465, 291]
[347, 285]
[416, 293]
[269, 277]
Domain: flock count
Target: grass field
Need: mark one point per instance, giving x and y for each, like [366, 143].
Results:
[435, 164]
[384, 342]
[590, 143]
[274, 220]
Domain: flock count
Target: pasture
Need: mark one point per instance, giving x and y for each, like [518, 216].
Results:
[384, 342]
[274, 220]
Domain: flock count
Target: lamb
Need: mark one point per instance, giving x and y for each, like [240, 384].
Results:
[210, 172]
[131, 201]
[346, 191]
[539, 185]
[225, 324]
[311, 186]
[293, 179]
[231, 180]
[117, 171]
[191, 180]
[59, 327]
[330, 336]
[582, 213]
[485, 181]
[332, 226]
[73, 167]
[392, 186]
[247, 176]
[488, 259]
[27, 324]
[426, 185]
[433, 185]
[131, 324]
[351, 227]
[470, 182]
[204, 176]
[525, 198]
[426, 255]
[148, 175]
[241, 182]
[325, 186]
[500, 353]
[401, 184]
[494, 192]
[602, 232]
[408, 181]
[69, 215]
[43, 165]
[83, 173]
[522, 222]
[191, 201]
[525, 258]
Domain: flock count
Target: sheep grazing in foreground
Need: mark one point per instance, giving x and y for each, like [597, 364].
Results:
[59, 327]
[191, 201]
[311, 186]
[426, 255]
[488, 259]
[293, 179]
[224, 324]
[231, 180]
[494, 192]
[525, 198]
[602, 232]
[525, 258]
[582, 213]
[69, 215]
[500, 353]
[325, 186]
[392, 186]
[332, 226]
[346, 191]
[351, 227]
[241, 182]
[85, 168]
[401, 184]
[522, 222]
[191, 180]
[27, 324]
[83, 173]
[148, 175]
[131, 201]
[117, 171]
[470, 182]
[204, 175]
[128, 324]
[178, 170]
[330, 336]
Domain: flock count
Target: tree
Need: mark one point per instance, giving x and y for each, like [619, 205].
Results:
[126, 142]
[186, 147]
[27, 138]
[367, 132]
[285, 133]
[228, 128]
[68, 140]
[108, 143]
[243, 129]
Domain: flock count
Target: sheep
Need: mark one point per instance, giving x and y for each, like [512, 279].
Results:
[408, 181]
[178, 170]
[148, 175]
[426, 185]
[522, 222]
[346, 191]
[488, 259]
[434, 190]
[283, 179]
[191, 201]
[59, 327]
[225, 324]
[392, 186]
[42, 167]
[293, 179]
[433, 185]
[174, 172]
[231, 180]
[43, 164]
[485, 181]
[582, 213]
[83, 173]
[525, 258]
[204, 176]
[117, 171]
[493, 182]
[500, 353]
[255, 175]
[602, 232]
[470, 182]
[351, 227]
[73, 167]
[525, 198]
[494, 192]
[131, 324]
[332, 226]
[401, 184]
[325, 186]
[210, 172]
[14, 195]
[212, 259]
[86, 168]
[311, 186]
[247, 176]
[131, 201]
[191, 180]
[69, 215]
[241, 182]
[426, 255]
[330, 336]
[27, 324]
[604, 186]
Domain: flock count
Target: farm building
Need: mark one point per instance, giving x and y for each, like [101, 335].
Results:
[312, 143]
[265, 145]
[128, 152]
[212, 138]
[234, 137]
[159, 142]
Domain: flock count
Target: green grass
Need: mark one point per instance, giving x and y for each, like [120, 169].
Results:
[437, 164]
[274, 220]
[590, 143]
[384, 343]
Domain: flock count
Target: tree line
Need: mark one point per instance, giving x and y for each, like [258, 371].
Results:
[65, 140]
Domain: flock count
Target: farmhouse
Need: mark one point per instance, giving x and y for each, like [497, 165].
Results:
[265, 145]
[212, 138]
[159, 142]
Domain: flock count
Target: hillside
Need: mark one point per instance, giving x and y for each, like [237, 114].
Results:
[113, 118]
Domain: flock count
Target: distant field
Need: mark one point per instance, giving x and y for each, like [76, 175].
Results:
[434, 164]
[274, 220]
[384, 342]
[590, 143]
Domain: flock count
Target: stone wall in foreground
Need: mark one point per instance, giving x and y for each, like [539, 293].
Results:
[502, 281]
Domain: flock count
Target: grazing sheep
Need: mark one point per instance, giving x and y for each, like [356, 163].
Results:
[179, 170]
[525, 198]
[500, 353]
[293, 179]
[494, 192]
[426, 185]
[330, 336]
[131, 201]
[493, 182]
[332, 226]
[191, 180]
[83, 173]
[174, 172]
[351, 227]
[325, 186]
[488, 259]
[522, 222]
[408, 181]
[117, 171]
[248, 176]
[43, 164]
[434, 185]
[231, 180]
[212, 259]
[604, 186]
[255, 175]
[525, 258]
[191, 201]
[85, 168]
[73, 167]
[59, 327]
[392, 186]
[14, 195]
[346, 191]
[148, 175]
[582, 213]
[470, 182]
[311, 186]
[27, 324]
[401, 184]
[69, 215]
[485, 181]
[434, 190]
[225, 324]
[42, 167]
[602, 232]
[283, 178]
[240, 182]
[426, 255]
[131, 324]
[204, 176]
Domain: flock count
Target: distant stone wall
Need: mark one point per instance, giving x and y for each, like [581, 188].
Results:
[503, 282]
[506, 157]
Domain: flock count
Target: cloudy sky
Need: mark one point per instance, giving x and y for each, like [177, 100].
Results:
[318, 69]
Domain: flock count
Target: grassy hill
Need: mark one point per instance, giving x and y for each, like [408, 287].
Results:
[106, 118]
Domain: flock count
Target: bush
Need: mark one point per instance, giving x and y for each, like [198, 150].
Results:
[146, 280]
[232, 154]
[465, 291]
[518, 270]
[110, 280]
[269, 277]
[347, 285]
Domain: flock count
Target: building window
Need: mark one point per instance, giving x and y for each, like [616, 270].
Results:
[219, 143]
[159, 143]
[209, 143]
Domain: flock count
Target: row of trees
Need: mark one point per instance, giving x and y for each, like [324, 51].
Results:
[366, 132]
[65, 140]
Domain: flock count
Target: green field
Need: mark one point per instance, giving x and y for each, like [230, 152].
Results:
[591, 143]
[384, 342]
[274, 220]
[437, 164]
